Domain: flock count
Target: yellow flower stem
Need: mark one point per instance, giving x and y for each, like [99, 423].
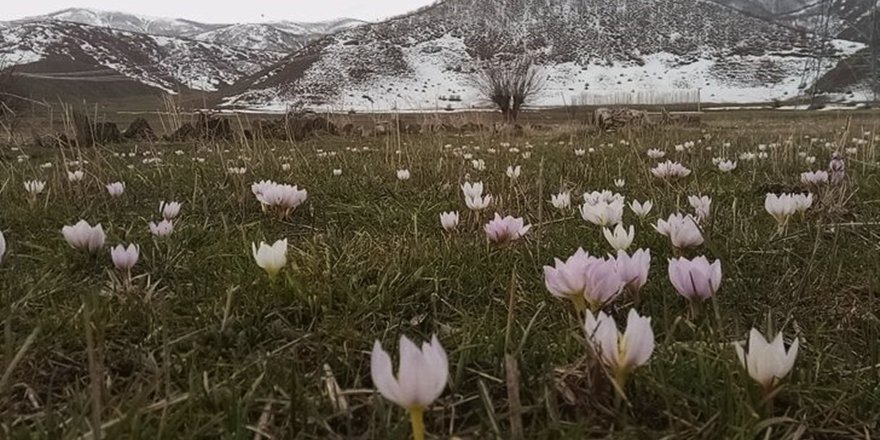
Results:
[580, 304]
[416, 419]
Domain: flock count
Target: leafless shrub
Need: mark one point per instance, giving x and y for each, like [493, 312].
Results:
[509, 84]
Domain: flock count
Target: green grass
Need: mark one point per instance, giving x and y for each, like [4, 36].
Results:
[207, 347]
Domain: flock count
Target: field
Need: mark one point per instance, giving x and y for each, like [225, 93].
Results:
[202, 343]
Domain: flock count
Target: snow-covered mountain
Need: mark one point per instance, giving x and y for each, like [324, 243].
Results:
[835, 18]
[278, 36]
[421, 60]
[64, 51]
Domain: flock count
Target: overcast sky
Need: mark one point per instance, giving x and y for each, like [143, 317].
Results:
[225, 11]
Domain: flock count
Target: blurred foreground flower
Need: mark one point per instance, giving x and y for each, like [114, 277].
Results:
[421, 378]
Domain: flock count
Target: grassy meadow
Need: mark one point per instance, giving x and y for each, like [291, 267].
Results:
[203, 344]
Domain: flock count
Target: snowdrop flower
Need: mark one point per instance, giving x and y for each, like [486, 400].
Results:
[337, 172]
[478, 203]
[702, 207]
[669, 169]
[561, 200]
[116, 189]
[781, 207]
[449, 220]
[34, 187]
[695, 279]
[271, 258]
[802, 202]
[403, 175]
[603, 213]
[621, 353]
[763, 155]
[125, 258]
[580, 152]
[567, 279]
[852, 151]
[85, 237]
[767, 362]
[641, 209]
[815, 178]
[681, 230]
[514, 172]
[747, 156]
[75, 176]
[679, 148]
[169, 210]
[654, 153]
[620, 183]
[472, 190]
[633, 270]
[236, 171]
[421, 378]
[285, 167]
[591, 150]
[620, 239]
[505, 230]
[161, 229]
[726, 166]
[479, 164]
[810, 159]
[2, 246]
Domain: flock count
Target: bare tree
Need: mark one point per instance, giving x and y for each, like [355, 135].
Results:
[509, 84]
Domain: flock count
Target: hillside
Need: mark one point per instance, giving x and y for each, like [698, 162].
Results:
[420, 60]
[74, 57]
[279, 36]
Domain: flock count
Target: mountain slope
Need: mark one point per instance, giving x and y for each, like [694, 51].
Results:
[848, 19]
[165, 63]
[418, 60]
[280, 36]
